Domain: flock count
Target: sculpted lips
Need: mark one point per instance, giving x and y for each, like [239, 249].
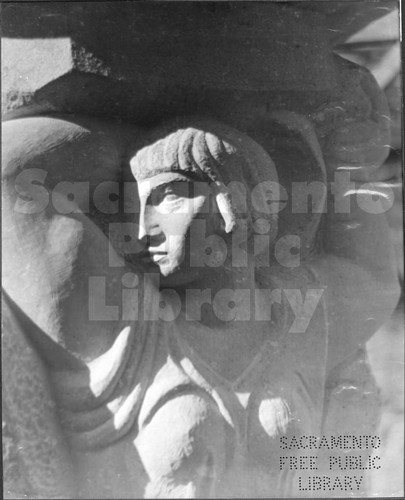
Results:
[149, 255]
[158, 256]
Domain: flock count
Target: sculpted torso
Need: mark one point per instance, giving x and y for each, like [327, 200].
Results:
[168, 353]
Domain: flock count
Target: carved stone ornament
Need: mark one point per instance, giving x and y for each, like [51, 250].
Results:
[195, 249]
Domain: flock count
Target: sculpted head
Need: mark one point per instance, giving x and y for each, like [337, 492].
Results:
[198, 182]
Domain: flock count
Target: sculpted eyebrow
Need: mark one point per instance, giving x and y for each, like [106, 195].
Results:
[161, 187]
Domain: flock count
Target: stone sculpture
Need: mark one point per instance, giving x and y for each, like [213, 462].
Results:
[190, 402]
[188, 291]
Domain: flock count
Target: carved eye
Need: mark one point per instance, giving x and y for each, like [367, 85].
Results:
[170, 195]
[173, 192]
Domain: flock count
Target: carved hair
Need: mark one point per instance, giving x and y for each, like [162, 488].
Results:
[242, 175]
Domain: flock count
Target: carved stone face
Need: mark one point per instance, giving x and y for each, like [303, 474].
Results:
[177, 216]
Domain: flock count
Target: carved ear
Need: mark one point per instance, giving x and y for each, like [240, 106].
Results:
[291, 141]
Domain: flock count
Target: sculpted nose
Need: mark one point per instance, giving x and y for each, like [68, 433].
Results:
[142, 230]
[147, 225]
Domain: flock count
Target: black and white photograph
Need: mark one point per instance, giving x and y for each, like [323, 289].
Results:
[202, 249]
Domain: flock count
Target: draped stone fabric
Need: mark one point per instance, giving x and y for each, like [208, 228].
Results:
[138, 397]
[102, 397]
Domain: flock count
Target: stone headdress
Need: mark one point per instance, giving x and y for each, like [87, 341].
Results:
[242, 175]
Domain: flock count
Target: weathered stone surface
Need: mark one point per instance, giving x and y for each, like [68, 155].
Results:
[109, 57]
[150, 408]
[100, 403]
[219, 44]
